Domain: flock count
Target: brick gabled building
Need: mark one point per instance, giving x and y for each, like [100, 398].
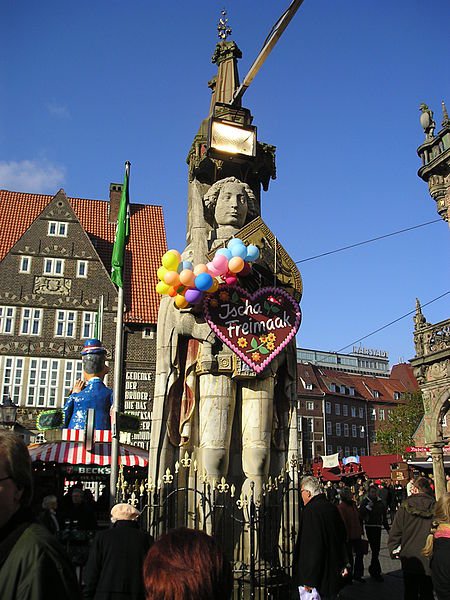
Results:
[55, 257]
[349, 407]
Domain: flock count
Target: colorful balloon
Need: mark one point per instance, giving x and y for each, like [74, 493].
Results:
[252, 253]
[162, 288]
[185, 264]
[230, 279]
[214, 287]
[172, 278]
[176, 253]
[180, 301]
[220, 262]
[170, 261]
[212, 270]
[187, 278]
[236, 264]
[200, 268]
[161, 272]
[234, 242]
[224, 252]
[193, 296]
[172, 292]
[239, 250]
[203, 282]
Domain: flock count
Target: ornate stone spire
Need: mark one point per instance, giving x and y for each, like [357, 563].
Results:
[445, 119]
[419, 319]
[223, 29]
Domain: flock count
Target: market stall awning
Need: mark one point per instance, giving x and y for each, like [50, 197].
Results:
[379, 467]
[75, 453]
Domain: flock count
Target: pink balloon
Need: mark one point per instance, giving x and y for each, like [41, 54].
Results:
[212, 270]
[220, 262]
[230, 279]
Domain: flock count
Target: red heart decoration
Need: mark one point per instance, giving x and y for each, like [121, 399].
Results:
[255, 326]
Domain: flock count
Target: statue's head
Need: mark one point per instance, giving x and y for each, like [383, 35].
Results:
[230, 202]
[94, 365]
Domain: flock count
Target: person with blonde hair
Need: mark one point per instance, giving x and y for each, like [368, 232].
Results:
[437, 548]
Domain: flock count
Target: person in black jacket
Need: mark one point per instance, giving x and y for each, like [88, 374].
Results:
[320, 557]
[114, 567]
[437, 548]
[373, 514]
[407, 538]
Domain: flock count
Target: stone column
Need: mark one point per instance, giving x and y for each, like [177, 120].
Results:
[437, 455]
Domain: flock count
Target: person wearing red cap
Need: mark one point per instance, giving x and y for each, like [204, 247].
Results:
[90, 392]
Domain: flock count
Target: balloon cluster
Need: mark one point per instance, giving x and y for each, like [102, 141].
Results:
[187, 284]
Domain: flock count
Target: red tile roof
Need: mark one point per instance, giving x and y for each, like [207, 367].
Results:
[144, 251]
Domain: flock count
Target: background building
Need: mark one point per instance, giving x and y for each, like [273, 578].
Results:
[341, 411]
[55, 257]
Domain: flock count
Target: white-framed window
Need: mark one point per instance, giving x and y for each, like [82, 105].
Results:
[354, 432]
[12, 378]
[397, 395]
[355, 451]
[381, 414]
[309, 405]
[328, 408]
[343, 389]
[444, 421]
[361, 413]
[351, 391]
[54, 266]
[346, 430]
[25, 264]
[43, 382]
[31, 321]
[373, 414]
[363, 452]
[329, 428]
[347, 450]
[345, 410]
[333, 387]
[88, 325]
[82, 268]
[73, 371]
[308, 386]
[149, 332]
[309, 424]
[329, 448]
[337, 408]
[362, 432]
[353, 411]
[7, 317]
[338, 429]
[65, 323]
[376, 393]
[57, 229]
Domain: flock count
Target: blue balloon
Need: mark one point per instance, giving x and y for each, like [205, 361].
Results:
[239, 250]
[233, 242]
[225, 252]
[203, 282]
[252, 253]
[185, 264]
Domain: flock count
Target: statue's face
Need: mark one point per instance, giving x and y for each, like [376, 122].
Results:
[231, 206]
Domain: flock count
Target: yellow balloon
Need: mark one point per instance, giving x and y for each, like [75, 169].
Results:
[214, 287]
[162, 288]
[177, 254]
[180, 301]
[170, 261]
[161, 272]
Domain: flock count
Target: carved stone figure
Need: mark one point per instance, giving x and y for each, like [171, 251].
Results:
[427, 121]
[201, 389]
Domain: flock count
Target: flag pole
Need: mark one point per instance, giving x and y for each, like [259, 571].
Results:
[118, 362]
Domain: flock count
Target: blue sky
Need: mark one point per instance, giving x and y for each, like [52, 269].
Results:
[88, 85]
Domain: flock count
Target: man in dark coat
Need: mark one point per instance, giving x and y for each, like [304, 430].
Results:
[320, 558]
[407, 538]
[114, 568]
[373, 513]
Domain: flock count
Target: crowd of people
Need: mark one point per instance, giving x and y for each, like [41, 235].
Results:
[338, 525]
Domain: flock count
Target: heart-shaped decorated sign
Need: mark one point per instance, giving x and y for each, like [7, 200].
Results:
[255, 326]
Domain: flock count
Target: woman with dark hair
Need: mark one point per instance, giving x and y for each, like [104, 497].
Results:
[350, 515]
[186, 564]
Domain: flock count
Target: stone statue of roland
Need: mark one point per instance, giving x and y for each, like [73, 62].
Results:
[198, 390]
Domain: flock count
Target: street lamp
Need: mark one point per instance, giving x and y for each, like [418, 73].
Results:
[8, 412]
[231, 135]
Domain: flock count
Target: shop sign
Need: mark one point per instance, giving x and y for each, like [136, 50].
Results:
[255, 326]
[138, 396]
[86, 470]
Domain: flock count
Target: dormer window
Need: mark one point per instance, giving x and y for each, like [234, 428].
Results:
[376, 393]
[57, 229]
[397, 395]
